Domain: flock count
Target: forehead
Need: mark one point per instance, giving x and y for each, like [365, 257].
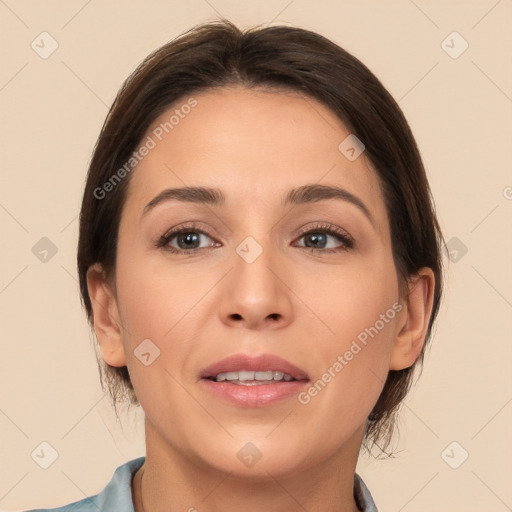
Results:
[255, 145]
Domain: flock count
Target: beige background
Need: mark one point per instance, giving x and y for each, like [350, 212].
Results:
[460, 112]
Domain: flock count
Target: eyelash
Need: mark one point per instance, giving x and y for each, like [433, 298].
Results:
[347, 241]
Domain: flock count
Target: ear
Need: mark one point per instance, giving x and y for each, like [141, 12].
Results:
[106, 319]
[416, 315]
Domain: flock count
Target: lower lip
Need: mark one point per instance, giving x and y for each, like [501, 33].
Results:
[258, 395]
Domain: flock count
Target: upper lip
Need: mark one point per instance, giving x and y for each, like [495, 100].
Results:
[257, 363]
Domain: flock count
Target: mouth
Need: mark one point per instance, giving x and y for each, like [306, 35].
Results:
[253, 381]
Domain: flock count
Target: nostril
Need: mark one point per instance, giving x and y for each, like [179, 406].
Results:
[236, 316]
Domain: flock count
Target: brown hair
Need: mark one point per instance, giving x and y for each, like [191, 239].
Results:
[218, 54]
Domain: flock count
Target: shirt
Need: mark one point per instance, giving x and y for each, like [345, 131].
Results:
[117, 495]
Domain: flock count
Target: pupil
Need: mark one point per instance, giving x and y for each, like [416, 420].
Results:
[314, 238]
[187, 238]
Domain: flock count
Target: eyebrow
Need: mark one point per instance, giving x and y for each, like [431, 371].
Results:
[301, 195]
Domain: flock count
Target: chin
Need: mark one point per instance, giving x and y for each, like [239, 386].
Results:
[260, 459]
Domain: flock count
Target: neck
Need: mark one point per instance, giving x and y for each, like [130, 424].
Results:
[172, 481]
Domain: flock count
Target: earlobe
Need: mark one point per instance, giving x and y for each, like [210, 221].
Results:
[106, 320]
[418, 307]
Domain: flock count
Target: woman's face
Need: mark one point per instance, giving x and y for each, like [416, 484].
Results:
[256, 274]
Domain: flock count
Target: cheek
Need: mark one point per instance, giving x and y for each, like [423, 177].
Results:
[160, 303]
[352, 297]
[358, 308]
[155, 295]
[161, 310]
[352, 372]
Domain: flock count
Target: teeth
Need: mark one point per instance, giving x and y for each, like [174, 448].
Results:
[248, 377]
[264, 375]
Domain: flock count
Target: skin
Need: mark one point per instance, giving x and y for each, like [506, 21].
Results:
[306, 307]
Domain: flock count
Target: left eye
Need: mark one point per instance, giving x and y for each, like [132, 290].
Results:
[320, 240]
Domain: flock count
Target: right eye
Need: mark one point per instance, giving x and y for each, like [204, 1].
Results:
[185, 240]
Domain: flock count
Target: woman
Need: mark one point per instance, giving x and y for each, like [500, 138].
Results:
[260, 260]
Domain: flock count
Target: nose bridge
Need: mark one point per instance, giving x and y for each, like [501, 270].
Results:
[253, 261]
[256, 251]
[255, 293]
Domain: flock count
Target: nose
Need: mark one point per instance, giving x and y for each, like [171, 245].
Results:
[256, 294]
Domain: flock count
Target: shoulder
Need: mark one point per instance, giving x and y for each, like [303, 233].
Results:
[116, 495]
